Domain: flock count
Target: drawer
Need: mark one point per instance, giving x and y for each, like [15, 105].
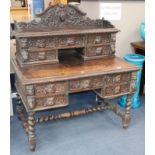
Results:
[46, 89]
[38, 56]
[70, 41]
[95, 39]
[42, 103]
[98, 51]
[117, 78]
[85, 84]
[30, 43]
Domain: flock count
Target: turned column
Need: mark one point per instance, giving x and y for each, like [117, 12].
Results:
[126, 118]
[31, 131]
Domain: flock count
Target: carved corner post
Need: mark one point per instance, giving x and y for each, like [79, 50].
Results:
[126, 118]
[19, 108]
[31, 131]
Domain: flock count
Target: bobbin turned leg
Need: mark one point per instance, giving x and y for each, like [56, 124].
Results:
[31, 131]
[126, 118]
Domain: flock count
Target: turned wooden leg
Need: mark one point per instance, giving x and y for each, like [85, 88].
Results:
[126, 118]
[31, 131]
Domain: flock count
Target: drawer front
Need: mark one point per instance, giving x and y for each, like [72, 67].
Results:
[70, 41]
[38, 56]
[42, 103]
[116, 84]
[96, 39]
[33, 43]
[98, 51]
[53, 101]
[48, 89]
[85, 84]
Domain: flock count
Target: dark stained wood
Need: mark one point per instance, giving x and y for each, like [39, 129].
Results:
[62, 52]
[58, 72]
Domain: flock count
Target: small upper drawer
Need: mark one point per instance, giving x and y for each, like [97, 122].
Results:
[70, 41]
[98, 51]
[94, 39]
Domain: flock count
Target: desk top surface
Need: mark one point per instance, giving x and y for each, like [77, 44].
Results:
[58, 72]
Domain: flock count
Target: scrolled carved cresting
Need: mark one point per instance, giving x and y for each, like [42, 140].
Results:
[60, 16]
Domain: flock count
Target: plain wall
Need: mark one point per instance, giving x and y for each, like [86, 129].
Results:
[133, 13]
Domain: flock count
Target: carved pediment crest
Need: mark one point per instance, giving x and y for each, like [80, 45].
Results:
[61, 16]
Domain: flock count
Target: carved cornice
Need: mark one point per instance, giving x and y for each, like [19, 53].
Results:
[61, 16]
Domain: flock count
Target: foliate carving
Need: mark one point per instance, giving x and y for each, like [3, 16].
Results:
[116, 84]
[40, 56]
[133, 82]
[69, 41]
[37, 42]
[84, 84]
[113, 37]
[31, 102]
[29, 89]
[50, 89]
[60, 16]
[52, 101]
[98, 39]
[125, 88]
[24, 55]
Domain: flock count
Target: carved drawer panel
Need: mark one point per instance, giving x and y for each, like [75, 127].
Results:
[42, 90]
[98, 51]
[46, 102]
[85, 84]
[117, 78]
[53, 101]
[29, 43]
[38, 56]
[95, 39]
[70, 41]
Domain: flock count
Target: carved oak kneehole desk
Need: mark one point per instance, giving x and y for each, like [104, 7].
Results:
[61, 52]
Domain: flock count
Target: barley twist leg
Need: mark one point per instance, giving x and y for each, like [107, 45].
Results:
[31, 131]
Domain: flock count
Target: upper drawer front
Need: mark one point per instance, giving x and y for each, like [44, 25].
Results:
[33, 43]
[38, 56]
[70, 41]
[95, 39]
[98, 51]
[85, 84]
